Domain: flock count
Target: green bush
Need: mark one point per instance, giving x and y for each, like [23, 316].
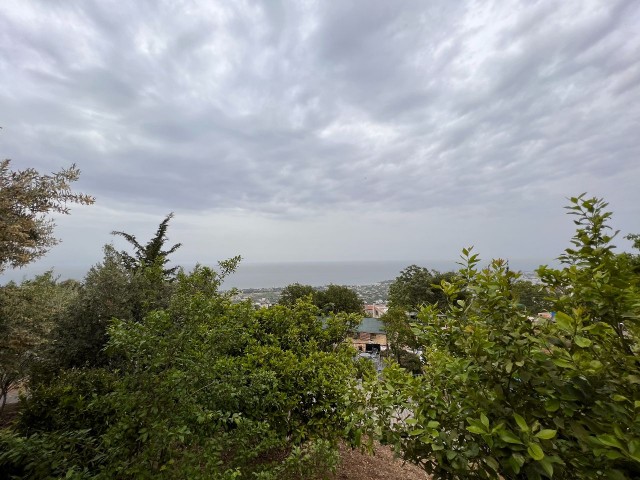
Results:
[502, 395]
[67, 454]
[74, 400]
[28, 313]
[204, 389]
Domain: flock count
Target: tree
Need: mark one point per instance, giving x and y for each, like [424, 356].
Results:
[416, 287]
[501, 396]
[338, 298]
[294, 292]
[151, 280]
[333, 299]
[400, 336]
[531, 296]
[28, 312]
[152, 253]
[596, 279]
[26, 199]
[108, 291]
[634, 258]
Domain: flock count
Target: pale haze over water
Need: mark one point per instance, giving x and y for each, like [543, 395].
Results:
[257, 275]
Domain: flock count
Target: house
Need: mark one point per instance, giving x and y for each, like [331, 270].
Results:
[370, 336]
[375, 310]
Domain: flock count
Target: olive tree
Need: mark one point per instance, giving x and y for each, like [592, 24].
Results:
[28, 313]
[26, 200]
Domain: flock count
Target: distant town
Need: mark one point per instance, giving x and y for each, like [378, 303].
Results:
[376, 293]
[373, 294]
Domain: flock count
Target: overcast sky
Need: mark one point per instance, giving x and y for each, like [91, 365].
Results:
[333, 130]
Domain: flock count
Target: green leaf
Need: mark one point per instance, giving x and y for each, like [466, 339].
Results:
[610, 441]
[633, 378]
[514, 464]
[474, 429]
[565, 322]
[509, 437]
[535, 451]
[493, 463]
[546, 434]
[552, 405]
[620, 398]
[547, 466]
[509, 366]
[521, 422]
[613, 454]
[595, 364]
[564, 363]
[484, 420]
[616, 475]
[582, 342]
[634, 449]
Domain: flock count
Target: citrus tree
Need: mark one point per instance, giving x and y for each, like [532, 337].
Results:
[501, 395]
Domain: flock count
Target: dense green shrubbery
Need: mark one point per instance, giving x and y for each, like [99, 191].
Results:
[502, 395]
[80, 336]
[28, 312]
[47, 455]
[74, 400]
[204, 389]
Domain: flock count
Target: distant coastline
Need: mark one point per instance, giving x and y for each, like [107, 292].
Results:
[274, 275]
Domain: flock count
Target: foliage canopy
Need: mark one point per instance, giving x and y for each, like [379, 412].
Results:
[333, 299]
[502, 395]
[26, 198]
[28, 312]
[204, 389]
[152, 252]
[417, 286]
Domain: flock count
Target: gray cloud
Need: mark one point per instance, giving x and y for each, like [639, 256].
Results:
[292, 110]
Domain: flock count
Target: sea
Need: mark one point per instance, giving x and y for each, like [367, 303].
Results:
[273, 275]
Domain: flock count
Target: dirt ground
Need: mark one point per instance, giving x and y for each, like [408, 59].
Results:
[381, 466]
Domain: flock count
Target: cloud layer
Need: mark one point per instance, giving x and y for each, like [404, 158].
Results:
[291, 111]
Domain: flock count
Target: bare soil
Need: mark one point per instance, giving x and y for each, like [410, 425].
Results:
[383, 465]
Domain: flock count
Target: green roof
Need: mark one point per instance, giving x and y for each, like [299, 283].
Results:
[371, 325]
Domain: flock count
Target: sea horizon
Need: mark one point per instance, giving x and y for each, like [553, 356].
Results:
[280, 274]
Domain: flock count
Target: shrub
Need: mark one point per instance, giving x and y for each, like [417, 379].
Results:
[28, 312]
[204, 389]
[501, 395]
[47, 455]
